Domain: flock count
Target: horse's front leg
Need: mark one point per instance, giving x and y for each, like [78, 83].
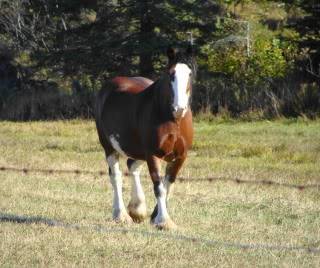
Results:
[172, 170]
[161, 219]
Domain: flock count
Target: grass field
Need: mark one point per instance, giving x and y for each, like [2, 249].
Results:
[221, 215]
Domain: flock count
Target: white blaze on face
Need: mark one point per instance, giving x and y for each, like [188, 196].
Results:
[180, 85]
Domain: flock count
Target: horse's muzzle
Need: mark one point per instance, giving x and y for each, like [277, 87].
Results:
[178, 112]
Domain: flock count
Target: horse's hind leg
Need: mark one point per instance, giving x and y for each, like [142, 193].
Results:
[119, 212]
[137, 205]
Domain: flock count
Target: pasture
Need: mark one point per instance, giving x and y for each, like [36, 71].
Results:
[220, 222]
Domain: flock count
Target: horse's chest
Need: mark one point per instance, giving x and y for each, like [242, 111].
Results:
[171, 146]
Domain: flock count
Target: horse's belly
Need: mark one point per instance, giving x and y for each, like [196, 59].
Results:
[126, 146]
[119, 127]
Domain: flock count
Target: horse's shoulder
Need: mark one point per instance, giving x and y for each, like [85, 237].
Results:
[131, 85]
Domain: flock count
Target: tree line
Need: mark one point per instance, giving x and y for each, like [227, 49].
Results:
[255, 58]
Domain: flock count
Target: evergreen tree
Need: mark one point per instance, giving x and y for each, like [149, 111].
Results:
[131, 36]
[309, 28]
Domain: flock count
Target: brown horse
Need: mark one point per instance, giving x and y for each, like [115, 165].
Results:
[146, 121]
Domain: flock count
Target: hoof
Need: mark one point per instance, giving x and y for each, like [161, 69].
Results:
[137, 211]
[122, 217]
[166, 224]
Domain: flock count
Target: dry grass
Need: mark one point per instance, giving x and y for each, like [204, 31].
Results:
[229, 213]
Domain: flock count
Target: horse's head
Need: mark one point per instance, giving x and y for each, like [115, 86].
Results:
[181, 72]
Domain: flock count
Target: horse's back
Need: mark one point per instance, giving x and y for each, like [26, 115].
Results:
[120, 84]
[131, 85]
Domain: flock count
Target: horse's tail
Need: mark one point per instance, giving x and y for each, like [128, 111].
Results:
[101, 97]
[99, 103]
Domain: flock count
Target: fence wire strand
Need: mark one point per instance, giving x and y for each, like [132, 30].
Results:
[262, 182]
[179, 237]
[21, 219]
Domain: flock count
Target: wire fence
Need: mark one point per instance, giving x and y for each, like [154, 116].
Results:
[261, 182]
[21, 219]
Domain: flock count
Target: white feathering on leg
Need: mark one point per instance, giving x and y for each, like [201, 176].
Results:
[137, 205]
[119, 211]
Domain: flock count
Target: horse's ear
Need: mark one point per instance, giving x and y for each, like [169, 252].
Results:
[172, 54]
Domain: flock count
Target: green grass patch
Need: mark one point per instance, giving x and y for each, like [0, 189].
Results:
[284, 151]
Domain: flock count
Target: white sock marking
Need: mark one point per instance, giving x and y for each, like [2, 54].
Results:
[137, 194]
[162, 206]
[116, 181]
[168, 186]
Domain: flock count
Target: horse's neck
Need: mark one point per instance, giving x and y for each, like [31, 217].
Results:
[161, 102]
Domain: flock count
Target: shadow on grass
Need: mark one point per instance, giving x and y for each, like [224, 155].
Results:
[4, 217]
[22, 219]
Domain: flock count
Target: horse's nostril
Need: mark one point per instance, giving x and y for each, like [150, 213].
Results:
[178, 112]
